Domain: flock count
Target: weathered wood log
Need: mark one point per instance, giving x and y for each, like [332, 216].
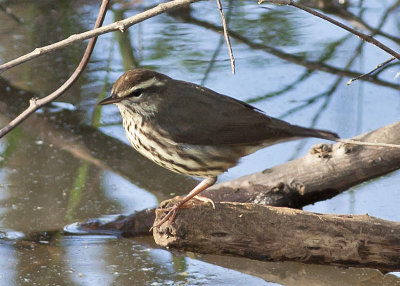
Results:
[324, 172]
[138, 223]
[282, 234]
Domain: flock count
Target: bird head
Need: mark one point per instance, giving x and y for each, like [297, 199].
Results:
[139, 90]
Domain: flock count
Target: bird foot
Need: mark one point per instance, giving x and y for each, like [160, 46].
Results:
[170, 217]
[172, 211]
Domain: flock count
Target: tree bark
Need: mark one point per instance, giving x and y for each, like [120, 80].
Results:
[282, 234]
[324, 172]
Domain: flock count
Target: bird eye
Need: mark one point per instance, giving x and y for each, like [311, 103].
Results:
[135, 93]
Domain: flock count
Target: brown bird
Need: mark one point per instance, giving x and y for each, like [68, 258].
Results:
[192, 130]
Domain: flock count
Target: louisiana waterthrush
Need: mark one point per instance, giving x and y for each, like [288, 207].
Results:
[192, 130]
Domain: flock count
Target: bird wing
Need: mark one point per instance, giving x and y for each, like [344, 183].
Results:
[201, 116]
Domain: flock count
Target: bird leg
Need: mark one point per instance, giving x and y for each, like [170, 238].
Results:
[208, 182]
[205, 200]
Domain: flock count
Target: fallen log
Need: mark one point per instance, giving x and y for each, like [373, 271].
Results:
[324, 172]
[282, 234]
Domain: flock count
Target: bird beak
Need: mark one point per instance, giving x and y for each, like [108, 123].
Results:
[111, 99]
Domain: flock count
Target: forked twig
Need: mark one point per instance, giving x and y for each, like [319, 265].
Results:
[36, 103]
[381, 65]
[363, 36]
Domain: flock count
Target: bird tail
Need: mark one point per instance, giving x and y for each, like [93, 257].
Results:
[317, 133]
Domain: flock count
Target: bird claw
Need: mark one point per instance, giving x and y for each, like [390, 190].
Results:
[205, 200]
[170, 217]
[172, 211]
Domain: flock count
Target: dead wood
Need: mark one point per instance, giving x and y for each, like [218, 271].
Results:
[282, 234]
[324, 172]
[327, 170]
[138, 223]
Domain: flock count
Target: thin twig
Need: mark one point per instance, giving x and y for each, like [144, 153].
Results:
[211, 62]
[371, 72]
[226, 35]
[363, 36]
[354, 142]
[299, 60]
[120, 25]
[36, 103]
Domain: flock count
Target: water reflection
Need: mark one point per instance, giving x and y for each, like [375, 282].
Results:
[69, 164]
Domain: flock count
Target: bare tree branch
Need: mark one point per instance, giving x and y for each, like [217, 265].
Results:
[226, 35]
[363, 36]
[120, 25]
[298, 60]
[381, 65]
[36, 103]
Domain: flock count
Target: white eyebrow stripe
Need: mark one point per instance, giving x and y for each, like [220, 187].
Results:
[143, 85]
